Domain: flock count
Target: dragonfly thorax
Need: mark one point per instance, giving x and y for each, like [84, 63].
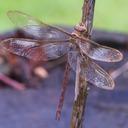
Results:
[74, 44]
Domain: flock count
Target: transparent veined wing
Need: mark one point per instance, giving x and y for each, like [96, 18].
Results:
[90, 71]
[77, 80]
[99, 52]
[35, 28]
[33, 50]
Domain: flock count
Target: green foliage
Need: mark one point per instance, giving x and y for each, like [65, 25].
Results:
[109, 14]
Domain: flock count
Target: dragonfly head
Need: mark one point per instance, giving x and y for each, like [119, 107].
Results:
[79, 30]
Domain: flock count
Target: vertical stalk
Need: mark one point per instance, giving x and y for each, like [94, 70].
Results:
[81, 84]
[79, 106]
[87, 16]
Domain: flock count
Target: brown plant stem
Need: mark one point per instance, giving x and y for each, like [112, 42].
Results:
[16, 85]
[81, 83]
[79, 106]
[63, 91]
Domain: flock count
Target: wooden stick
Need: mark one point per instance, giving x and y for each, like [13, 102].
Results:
[79, 103]
[81, 83]
[78, 108]
[63, 91]
[16, 85]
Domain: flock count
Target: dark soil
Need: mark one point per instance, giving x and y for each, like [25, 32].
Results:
[35, 108]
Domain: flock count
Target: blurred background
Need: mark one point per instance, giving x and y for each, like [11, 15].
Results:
[109, 14]
[36, 107]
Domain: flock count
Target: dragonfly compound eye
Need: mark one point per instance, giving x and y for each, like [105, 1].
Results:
[80, 28]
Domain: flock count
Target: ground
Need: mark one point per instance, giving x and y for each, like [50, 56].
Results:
[35, 108]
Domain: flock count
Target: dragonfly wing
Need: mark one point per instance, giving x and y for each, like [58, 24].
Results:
[77, 80]
[99, 52]
[73, 59]
[36, 28]
[54, 50]
[33, 50]
[90, 71]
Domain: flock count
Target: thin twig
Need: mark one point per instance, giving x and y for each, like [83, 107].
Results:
[81, 84]
[16, 85]
[87, 16]
[80, 101]
[63, 91]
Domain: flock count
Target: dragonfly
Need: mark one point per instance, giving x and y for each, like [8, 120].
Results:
[50, 43]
